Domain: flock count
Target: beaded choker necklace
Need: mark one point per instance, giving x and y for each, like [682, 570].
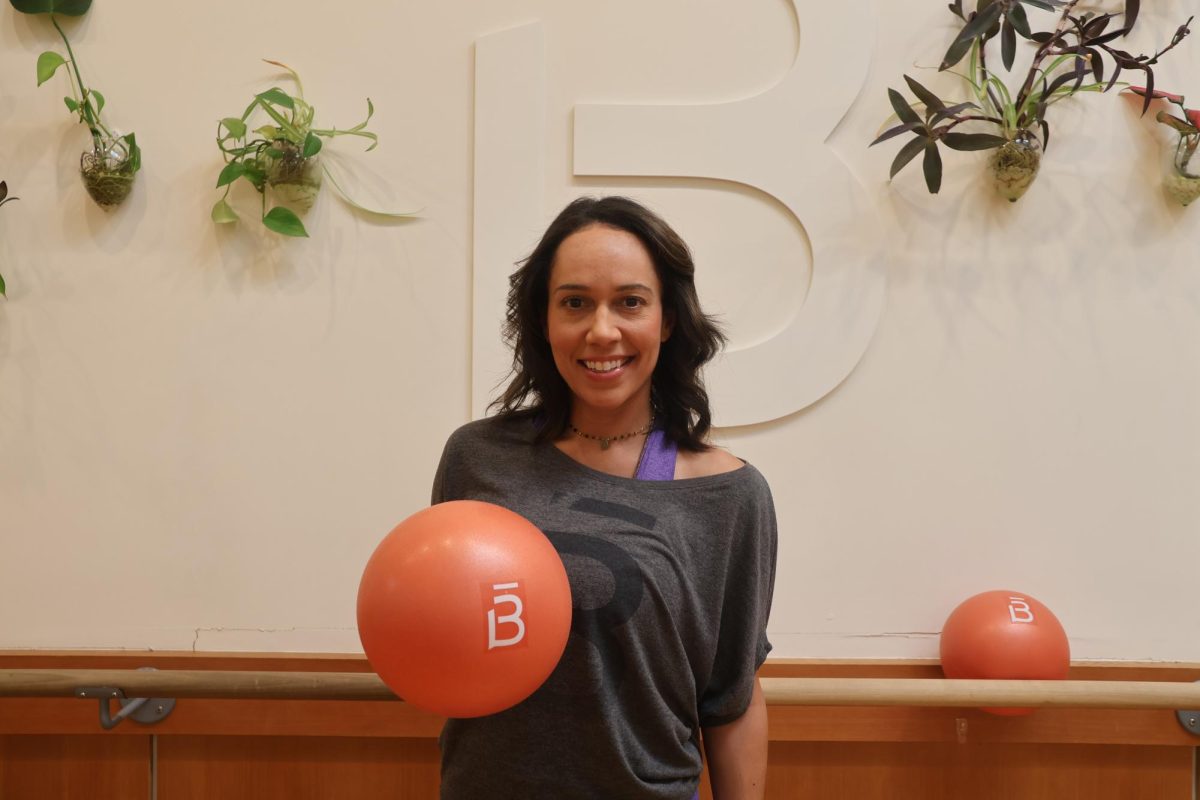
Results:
[606, 441]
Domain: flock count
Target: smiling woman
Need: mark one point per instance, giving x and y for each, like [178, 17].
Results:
[605, 325]
[587, 239]
[668, 543]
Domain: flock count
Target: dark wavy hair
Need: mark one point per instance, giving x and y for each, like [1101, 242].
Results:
[678, 399]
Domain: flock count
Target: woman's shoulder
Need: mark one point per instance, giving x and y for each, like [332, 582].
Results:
[740, 482]
[492, 430]
[713, 461]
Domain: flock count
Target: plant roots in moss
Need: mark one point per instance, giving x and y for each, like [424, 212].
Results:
[295, 180]
[1014, 166]
[1182, 188]
[108, 182]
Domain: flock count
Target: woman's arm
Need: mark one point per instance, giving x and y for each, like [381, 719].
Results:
[737, 753]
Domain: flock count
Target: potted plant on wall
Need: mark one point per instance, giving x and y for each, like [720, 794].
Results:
[281, 158]
[1183, 177]
[1068, 60]
[109, 167]
[4, 198]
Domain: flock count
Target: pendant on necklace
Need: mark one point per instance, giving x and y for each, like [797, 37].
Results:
[605, 442]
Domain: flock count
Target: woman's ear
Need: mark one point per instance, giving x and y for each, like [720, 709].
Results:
[667, 325]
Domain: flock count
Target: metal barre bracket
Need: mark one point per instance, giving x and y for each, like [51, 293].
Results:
[1190, 720]
[146, 710]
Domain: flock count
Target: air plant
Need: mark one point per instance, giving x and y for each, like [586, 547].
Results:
[279, 156]
[109, 167]
[1184, 183]
[1068, 60]
[4, 198]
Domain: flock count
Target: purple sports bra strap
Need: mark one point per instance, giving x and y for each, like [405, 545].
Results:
[658, 458]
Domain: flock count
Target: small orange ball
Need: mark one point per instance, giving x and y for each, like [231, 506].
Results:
[1004, 635]
[464, 609]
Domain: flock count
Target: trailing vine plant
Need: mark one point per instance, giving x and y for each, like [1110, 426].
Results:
[1069, 59]
[1183, 181]
[4, 198]
[278, 157]
[108, 168]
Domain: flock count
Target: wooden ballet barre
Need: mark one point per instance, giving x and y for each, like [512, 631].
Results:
[778, 691]
[209, 684]
[975, 693]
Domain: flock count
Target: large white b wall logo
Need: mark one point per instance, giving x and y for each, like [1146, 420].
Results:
[773, 142]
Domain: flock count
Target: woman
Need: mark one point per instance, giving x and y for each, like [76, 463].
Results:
[669, 542]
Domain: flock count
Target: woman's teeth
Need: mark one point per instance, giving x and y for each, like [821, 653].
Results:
[603, 366]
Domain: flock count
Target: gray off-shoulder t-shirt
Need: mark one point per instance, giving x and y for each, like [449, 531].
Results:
[671, 584]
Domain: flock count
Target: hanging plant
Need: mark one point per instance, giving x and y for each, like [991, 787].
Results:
[1183, 177]
[282, 157]
[4, 198]
[109, 167]
[1069, 59]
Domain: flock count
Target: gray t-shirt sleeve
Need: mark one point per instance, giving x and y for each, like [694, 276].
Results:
[742, 644]
[448, 478]
[438, 493]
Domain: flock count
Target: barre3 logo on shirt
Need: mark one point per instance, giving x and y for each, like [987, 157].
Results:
[598, 625]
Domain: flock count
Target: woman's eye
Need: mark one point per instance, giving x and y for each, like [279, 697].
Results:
[633, 302]
[573, 302]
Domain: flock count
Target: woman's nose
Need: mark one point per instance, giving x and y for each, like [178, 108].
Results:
[602, 329]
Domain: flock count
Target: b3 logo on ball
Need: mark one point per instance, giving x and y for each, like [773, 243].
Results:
[1019, 610]
[508, 597]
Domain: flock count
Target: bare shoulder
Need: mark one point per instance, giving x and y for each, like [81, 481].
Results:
[712, 461]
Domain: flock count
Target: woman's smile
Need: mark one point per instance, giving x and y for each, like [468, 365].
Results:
[607, 366]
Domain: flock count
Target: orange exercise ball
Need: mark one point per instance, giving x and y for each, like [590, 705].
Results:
[1004, 635]
[464, 609]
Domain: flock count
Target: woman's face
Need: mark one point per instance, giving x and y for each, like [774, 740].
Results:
[605, 321]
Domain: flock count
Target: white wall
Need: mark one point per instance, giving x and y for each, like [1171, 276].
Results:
[204, 433]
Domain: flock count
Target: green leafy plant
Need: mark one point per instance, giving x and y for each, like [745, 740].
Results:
[279, 156]
[1068, 60]
[4, 198]
[109, 167]
[1184, 183]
